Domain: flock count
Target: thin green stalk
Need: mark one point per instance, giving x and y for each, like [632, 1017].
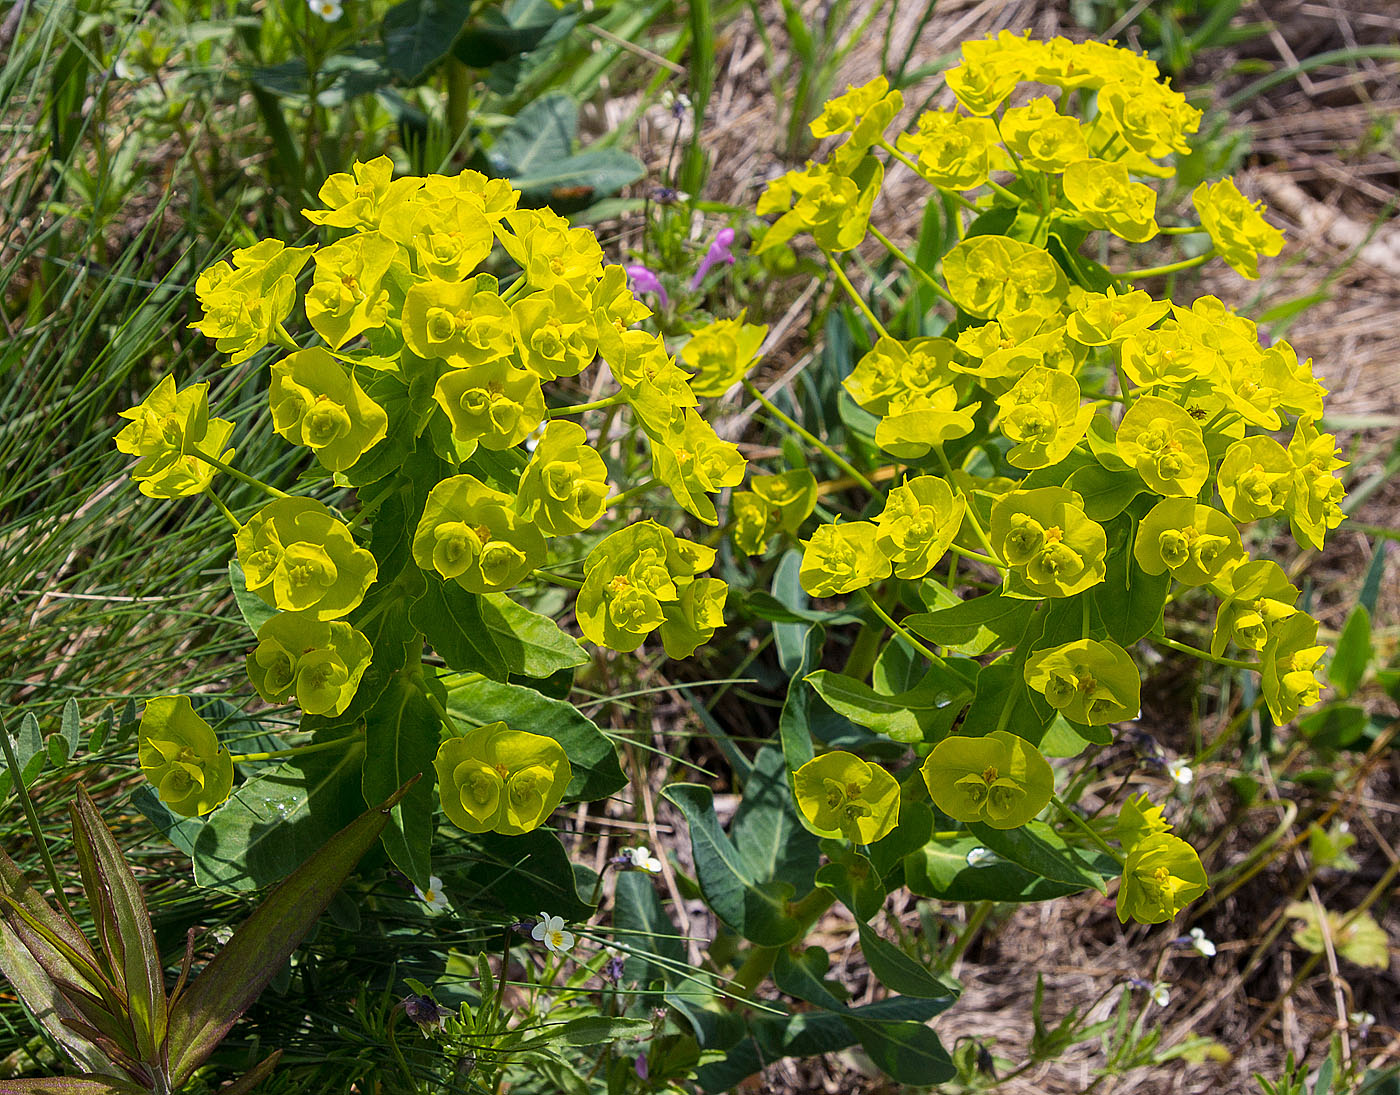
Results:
[855, 296]
[811, 438]
[242, 477]
[580, 408]
[17, 780]
[969, 933]
[557, 579]
[623, 497]
[1169, 268]
[922, 274]
[1086, 828]
[1204, 655]
[228, 514]
[899, 629]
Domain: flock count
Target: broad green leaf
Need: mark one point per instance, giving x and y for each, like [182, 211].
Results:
[1334, 726]
[1352, 653]
[418, 34]
[766, 830]
[1106, 493]
[180, 831]
[531, 645]
[520, 875]
[914, 830]
[70, 725]
[923, 713]
[1362, 941]
[1103, 443]
[1004, 701]
[498, 35]
[972, 621]
[1129, 600]
[768, 607]
[254, 610]
[122, 923]
[402, 734]
[1041, 850]
[794, 729]
[900, 972]
[941, 871]
[278, 820]
[656, 951]
[30, 754]
[209, 1006]
[595, 769]
[536, 152]
[591, 1030]
[854, 880]
[756, 908]
[451, 620]
[341, 78]
[75, 1085]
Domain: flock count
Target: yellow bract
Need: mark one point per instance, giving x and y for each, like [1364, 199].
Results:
[841, 795]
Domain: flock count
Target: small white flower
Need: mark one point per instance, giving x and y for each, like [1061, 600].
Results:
[550, 931]
[1180, 772]
[433, 895]
[1200, 944]
[980, 857]
[1161, 994]
[642, 859]
[329, 10]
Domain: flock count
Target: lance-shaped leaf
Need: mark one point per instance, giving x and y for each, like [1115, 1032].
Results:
[123, 926]
[252, 1078]
[74, 1085]
[204, 1012]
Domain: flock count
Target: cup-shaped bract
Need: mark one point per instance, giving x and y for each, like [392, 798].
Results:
[1255, 478]
[952, 151]
[1000, 779]
[180, 754]
[1137, 820]
[1042, 138]
[564, 487]
[244, 303]
[1289, 657]
[721, 353]
[1196, 543]
[496, 779]
[841, 795]
[347, 296]
[1089, 682]
[318, 403]
[558, 330]
[864, 112]
[463, 323]
[628, 580]
[366, 196]
[320, 662]
[842, 558]
[1315, 503]
[495, 404]
[830, 202]
[1162, 875]
[920, 520]
[1255, 595]
[694, 462]
[1109, 318]
[918, 421]
[550, 250]
[1161, 440]
[1236, 226]
[1051, 547]
[691, 620]
[470, 533]
[894, 370]
[777, 503]
[1106, 198]
[1043, 415]
[298, 557]
[993, 276]
[166, 429]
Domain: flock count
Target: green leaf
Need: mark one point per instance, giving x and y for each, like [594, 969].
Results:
[523, 874]
[254, 610]
[1041, 850]
[1106, 493]
[854, 880]
[70, 725]
[941, 871]
[500, 35]
[914, 830]
[1004, 701]
[988, 619]
[180, 831]
[898, 971]
[772, 841]
[593, 1030]
[451, 620]
[595, 769]
[1352, 653]
[1103, 443]
[75, 1085]
[30, 753]
[402, 734]
[537, 153]
[279, 819]
[794, 729]
[341, 78]
[1129, 600]
[209, 1006]
[531, 645]
[757, 909]
[656, 950]
[923, 713]
[418, 34]
[123, 925]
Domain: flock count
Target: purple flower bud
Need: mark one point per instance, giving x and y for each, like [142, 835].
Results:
[644, 281]
[612, 969]
[718, 252]
[424, 1011]
[643, 1072]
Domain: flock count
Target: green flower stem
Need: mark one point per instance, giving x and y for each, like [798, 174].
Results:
[922, 274]
[558, 580]
[299, 750]
[242, 477]
[1001, 191]
[1181, 230]
[33, 819]
[974, 924]
[759, 961]
[1086, 828]
[855, 296]
[580, 408]
[899, 629]
[623, 497]
[970, 512]
[811, 438]
[1169, 268]
[514, 289]
[228, 514]
[976, 557]
[901, 157]
[1204, 655]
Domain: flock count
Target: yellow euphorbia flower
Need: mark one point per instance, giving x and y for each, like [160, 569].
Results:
[496, 779]
[841, 795]
[1000, 779]
[180, 754]
[1162, 876]
[167, 428]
